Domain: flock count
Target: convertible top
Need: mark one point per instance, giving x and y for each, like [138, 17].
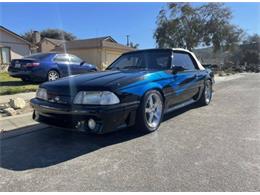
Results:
[173, 49]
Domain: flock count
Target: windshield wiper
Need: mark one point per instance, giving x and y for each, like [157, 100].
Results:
[132, 67]
[113, 68]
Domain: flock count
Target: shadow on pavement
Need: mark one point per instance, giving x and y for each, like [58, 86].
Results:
[50, 146]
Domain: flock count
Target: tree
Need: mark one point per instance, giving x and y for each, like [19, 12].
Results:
[134, 45]
[28, 36]
[251, 50]
[218, 31]
[50, 33]
[247, 54]
[57, 34]
[181, 25]
[252, 39]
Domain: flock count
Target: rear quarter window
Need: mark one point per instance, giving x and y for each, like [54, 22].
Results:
[61, 58]
[184, 60]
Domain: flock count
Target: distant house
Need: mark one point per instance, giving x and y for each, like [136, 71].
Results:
[45, 44]
[48, 44]
[100, 51]
[12, 46]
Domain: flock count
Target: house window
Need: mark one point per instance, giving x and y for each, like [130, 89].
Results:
[5, 56]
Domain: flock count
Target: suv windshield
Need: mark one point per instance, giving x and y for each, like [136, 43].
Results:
[160, 59]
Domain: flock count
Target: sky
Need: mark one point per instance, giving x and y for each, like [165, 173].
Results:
[88, 20]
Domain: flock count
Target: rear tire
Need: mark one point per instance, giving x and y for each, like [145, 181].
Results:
[150, 112]
[53, 75]
[206, 95]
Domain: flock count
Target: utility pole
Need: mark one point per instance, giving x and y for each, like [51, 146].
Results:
[127, 40]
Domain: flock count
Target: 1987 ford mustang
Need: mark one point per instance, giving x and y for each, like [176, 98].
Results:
[136, 89]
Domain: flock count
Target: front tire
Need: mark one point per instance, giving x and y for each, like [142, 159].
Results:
[206, 94]
[150, 112]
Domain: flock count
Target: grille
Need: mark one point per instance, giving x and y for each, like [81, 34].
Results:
[60, 99]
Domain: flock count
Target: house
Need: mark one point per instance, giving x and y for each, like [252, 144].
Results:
[48, 44]
[100, 51]
[45, 44]
[12, 46]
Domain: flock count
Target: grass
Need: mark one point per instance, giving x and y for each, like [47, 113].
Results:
[10, 85]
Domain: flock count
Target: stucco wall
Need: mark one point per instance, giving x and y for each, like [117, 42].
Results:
[109, 55]
[18, 47]
[97, 56]
[101, 57]
[92, 56]
[46, 46]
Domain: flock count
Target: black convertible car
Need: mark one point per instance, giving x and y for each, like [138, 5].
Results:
[136, 89]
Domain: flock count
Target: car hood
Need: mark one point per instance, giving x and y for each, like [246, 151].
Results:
[106, 80]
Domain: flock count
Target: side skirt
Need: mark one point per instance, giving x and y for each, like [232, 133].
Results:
[180, 106]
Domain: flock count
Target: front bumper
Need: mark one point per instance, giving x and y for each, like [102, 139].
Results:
[107, 118]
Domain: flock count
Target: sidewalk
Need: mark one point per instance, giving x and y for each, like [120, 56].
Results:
[26, 96]
[22, 123]
[18, 125]
[14, 122]
[17, 121]
[219, 79]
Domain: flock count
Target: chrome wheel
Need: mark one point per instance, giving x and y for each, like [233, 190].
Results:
[153, 110]
[53, 75]
[208, 92]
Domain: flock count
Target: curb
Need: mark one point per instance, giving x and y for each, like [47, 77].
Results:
[26, 96]
[16, 116]
[17, 125]
[10, 123]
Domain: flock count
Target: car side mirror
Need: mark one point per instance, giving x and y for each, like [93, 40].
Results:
[81, 63]
[176, 69]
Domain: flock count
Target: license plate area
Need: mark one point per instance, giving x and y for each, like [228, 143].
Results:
[17, 65]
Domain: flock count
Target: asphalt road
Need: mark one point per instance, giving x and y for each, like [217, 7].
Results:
[213, 148]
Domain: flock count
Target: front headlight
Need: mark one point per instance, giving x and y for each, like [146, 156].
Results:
[42, 94]
[96, 98]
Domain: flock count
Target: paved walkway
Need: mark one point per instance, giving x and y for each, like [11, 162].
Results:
[18, 121]
[219, 79]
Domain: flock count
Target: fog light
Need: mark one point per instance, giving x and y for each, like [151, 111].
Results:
[80, 124]
[91, 124]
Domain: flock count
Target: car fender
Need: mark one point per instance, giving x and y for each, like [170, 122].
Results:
[139, 90]
[55, 67]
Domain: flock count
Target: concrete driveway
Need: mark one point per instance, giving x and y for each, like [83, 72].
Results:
[213, 148]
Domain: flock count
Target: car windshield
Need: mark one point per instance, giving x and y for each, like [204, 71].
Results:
[160, 60]
[38, 56]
